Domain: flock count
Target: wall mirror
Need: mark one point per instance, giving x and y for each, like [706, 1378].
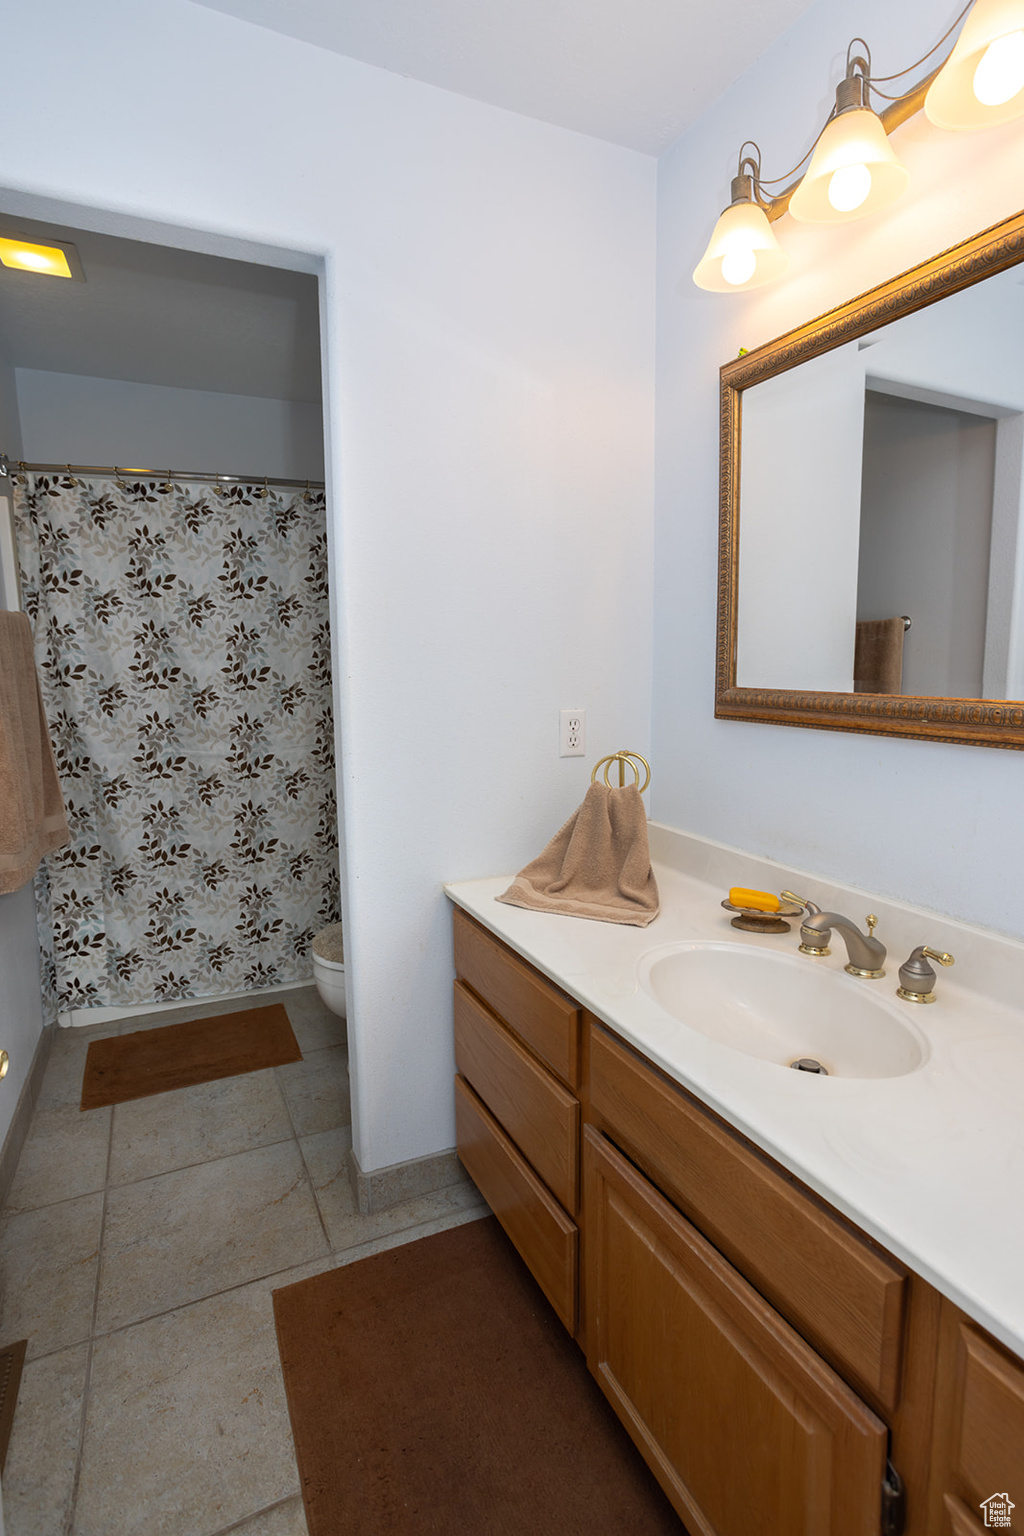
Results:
[871, 551]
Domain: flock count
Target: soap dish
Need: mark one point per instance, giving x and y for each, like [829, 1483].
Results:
[753, 920]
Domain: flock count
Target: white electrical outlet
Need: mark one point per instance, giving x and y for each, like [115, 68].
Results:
[572, 733]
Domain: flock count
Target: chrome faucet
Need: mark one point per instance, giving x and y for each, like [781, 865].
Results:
[865, 953]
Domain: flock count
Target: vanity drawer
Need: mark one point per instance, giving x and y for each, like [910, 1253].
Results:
[844, 1295]
[545, 1018]
[541, 1116]
[544, 1235]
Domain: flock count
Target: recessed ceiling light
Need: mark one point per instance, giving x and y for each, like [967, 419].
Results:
[50, 260]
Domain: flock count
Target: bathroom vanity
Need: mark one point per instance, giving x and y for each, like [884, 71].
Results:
[781, 1366]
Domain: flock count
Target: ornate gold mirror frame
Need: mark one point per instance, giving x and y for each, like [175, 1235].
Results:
[989, 723]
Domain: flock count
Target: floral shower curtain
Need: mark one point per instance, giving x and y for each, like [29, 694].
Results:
[183, 647]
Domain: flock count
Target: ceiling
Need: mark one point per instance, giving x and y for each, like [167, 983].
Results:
[635, 72]
[153, 315]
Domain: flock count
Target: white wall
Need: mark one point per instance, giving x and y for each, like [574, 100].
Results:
[21, 1013]
[488, 301]
[70, 419]
[934, 824]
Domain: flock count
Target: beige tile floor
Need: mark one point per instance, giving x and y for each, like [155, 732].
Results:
[139, 1249]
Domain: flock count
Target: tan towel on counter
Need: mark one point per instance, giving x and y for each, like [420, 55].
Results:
[878, 656]
[32, 819]
[598, 865]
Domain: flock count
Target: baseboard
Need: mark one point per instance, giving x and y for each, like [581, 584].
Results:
[18, 1129]
[79, 1018]
[382, 1188]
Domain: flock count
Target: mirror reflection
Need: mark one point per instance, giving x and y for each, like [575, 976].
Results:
[880, 508]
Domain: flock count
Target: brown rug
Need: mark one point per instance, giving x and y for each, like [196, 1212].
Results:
[181, 1055]
[433, 1392]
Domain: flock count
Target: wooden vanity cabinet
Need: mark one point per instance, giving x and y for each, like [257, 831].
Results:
[844, 1294]
[517, 1049]
[768, 1358]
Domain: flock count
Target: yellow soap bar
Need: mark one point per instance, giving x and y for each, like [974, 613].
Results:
[760, 901]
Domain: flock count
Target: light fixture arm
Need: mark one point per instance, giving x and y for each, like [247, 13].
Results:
[858, 78]
[854, 91]
[746, 184]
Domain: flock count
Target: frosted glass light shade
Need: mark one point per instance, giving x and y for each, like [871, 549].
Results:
[834, 189]
[982, 82]
[742, 252]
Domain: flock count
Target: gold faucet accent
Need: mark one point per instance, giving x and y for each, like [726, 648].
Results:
[865, 953]
[917, 979]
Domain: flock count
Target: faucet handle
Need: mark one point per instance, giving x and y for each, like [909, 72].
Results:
[917, 979]
[808, 906]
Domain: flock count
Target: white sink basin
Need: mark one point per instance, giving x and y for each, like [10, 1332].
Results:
[783, 1007]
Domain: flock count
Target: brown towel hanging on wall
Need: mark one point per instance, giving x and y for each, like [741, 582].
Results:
[598, 865]
[878, 656]
[32, 818]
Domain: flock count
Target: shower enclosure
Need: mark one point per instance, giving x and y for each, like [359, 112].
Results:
[183, 647]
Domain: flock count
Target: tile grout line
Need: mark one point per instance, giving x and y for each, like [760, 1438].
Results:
[9, 1212]
[472, 1212]
[202, 1162]
[398, 1235]
[253, 1280]
[87, 1383]
[268, 1509]
[305, 1165]
[91, 1336]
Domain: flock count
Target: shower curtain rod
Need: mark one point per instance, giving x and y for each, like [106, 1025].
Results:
[9, 466]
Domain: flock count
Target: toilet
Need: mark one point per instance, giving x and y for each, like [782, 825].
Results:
[329, 967]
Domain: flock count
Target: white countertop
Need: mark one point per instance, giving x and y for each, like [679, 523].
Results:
[931, 1163]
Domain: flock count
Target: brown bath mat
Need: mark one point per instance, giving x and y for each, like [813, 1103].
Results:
[181, 1055]
[433, 1391]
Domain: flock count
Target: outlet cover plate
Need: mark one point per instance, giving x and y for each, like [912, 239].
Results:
[572, 733]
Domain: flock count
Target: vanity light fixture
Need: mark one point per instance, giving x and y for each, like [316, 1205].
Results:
[742, 252]
[853, 171]
[48, 259]
[982, 82]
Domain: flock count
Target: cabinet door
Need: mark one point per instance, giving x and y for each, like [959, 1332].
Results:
[979, 1429]
[749, 1432]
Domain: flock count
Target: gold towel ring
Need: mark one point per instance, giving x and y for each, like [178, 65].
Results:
[624, 760]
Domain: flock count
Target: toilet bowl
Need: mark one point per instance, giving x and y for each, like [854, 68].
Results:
[329, 967]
